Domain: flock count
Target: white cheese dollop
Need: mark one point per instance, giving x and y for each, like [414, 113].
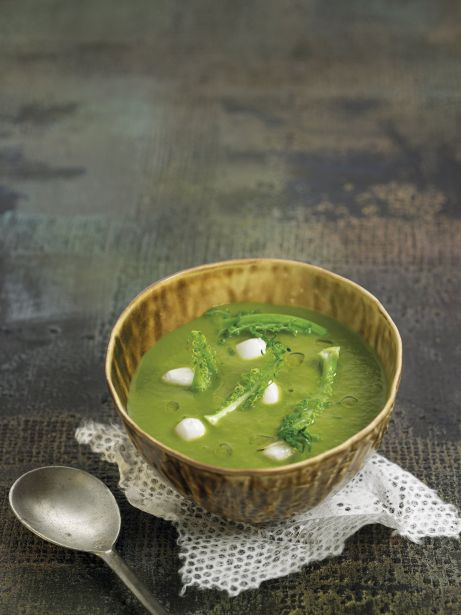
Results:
[190, 429]
[278, 451]
[271, 394]
[250, 349]
[182, 376]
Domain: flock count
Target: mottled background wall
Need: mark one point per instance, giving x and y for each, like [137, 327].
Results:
[138, 138]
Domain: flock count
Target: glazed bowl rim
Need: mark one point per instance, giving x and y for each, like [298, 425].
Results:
[387, 408]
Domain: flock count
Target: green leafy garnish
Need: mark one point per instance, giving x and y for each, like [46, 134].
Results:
[329, 363]
[203, 360]
[294, 428]
[252, 384]
[277, 350]
[262, 325]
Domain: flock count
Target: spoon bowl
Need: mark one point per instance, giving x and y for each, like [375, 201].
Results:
[74, 509]
[68, 507]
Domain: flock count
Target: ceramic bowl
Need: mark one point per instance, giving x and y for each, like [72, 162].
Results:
[252, 495]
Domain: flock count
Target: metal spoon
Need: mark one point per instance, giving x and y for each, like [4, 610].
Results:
[74, 509]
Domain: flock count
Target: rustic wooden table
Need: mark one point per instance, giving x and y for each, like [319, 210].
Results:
[139, 138]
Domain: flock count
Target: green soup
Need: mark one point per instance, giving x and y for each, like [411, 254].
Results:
[238, 440]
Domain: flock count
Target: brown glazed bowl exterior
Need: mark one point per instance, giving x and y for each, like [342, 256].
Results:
[252, 495]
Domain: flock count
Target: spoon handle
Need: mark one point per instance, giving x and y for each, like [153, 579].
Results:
[113, 559]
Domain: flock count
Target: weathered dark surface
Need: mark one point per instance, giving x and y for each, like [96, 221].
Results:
[138, 138]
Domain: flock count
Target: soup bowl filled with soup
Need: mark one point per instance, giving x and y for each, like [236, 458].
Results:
[256, 387]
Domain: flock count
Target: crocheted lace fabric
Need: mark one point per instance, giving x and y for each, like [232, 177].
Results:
[233, 557]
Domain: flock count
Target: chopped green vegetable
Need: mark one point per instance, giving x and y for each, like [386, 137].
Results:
[260, 382]
[252, 384]
[266, 324]
[214, 419]
[245, 393]
[294, 426]
[204, 361]
[329, 362]
[278, 351]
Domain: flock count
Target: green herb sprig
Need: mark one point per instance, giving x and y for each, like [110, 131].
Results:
[252, 384]
[203, 360]
[261, 325]
[294, 428]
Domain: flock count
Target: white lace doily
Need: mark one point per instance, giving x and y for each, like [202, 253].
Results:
[234, 556]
